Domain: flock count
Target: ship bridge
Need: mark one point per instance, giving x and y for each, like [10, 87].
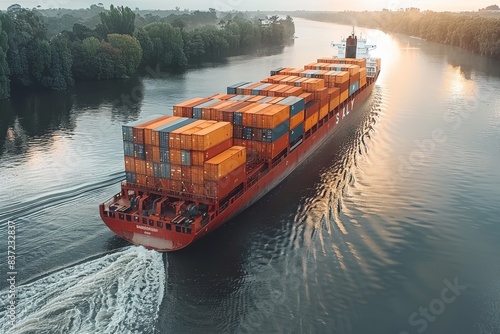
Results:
[353, 47]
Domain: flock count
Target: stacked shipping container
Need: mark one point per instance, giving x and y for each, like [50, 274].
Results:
[203, 148]
[172, 152]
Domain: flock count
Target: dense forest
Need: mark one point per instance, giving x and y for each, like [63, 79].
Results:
[40, 51]
[472, 32]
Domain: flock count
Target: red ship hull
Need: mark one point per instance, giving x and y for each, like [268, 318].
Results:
[150, 232]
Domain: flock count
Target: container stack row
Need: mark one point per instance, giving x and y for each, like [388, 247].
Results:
[265, 126]
[183, 154]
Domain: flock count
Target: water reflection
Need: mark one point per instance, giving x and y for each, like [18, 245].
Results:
[123, 97]
[39, 114]
[33, 115]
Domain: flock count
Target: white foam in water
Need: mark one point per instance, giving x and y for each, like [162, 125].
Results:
[118, 293]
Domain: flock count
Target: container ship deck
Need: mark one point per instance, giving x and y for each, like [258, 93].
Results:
[188, 174]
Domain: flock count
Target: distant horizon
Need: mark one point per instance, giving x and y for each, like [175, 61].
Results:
[256, 5]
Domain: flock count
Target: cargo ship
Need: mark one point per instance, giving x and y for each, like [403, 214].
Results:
[188, 174]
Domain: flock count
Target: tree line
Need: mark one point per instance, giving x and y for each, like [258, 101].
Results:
[472, 32]
[117, 47]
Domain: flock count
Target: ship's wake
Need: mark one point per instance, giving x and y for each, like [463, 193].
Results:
[118, 293]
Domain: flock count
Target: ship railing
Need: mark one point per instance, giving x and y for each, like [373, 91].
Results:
[110, 201]
[173, 193]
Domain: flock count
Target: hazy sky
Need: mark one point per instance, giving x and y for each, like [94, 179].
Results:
[438, 5]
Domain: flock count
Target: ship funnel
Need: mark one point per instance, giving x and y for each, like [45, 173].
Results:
[351, 45]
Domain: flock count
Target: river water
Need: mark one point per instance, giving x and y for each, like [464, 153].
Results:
[393, 226]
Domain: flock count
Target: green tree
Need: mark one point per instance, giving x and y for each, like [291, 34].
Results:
[119, 20]
[4, 66]
[131, 51]
[146, 45]
[81, 31]
[87, 64]
[168, 46]
[193, 45]
[111, 64]
[60, 75]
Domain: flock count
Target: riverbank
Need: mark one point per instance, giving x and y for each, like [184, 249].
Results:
[34, 54]
[474, 32]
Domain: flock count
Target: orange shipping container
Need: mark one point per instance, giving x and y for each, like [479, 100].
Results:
[130, 164]
[362, 73]
[214, 112]
[180, 109]
[174, 138]
[308, 97]
[155, 135]
[311, 121]
[299, 82]
[334, 98]
[186, 136]
[198, 174]
[310, 85]
[176, 172]
[226, 184]
[156, 154]
[138, 131]
[175, 157]
[275, 100]
[250, 111]
[344, 95]
[150, 169]
[140, 179]
[267, 91]
[323, 111]
[273, 116]
[212, 136]
[271, 150]
[352, 69]
[228, 111]
[297, 119]
[362, 82]
[222, 164]
[256, 98]
[294, 91]
[153, 138]
[148, 152]
[321, 93]
[140, 167]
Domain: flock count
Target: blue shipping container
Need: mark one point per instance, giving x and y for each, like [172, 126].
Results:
[271, 135]
[130, 177]
[297, 104]
[165, 131]
[266, 99]
[238, 118]
[128, 149]
[257, 90]
[185, 158]
[139, 152]
[162, 170]
[353, 88]
[276, 71]
[296, 132]
[232, 89]
[127, 128]
[164, 155]
[197, 112]
[247, 133]
[240, 98]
